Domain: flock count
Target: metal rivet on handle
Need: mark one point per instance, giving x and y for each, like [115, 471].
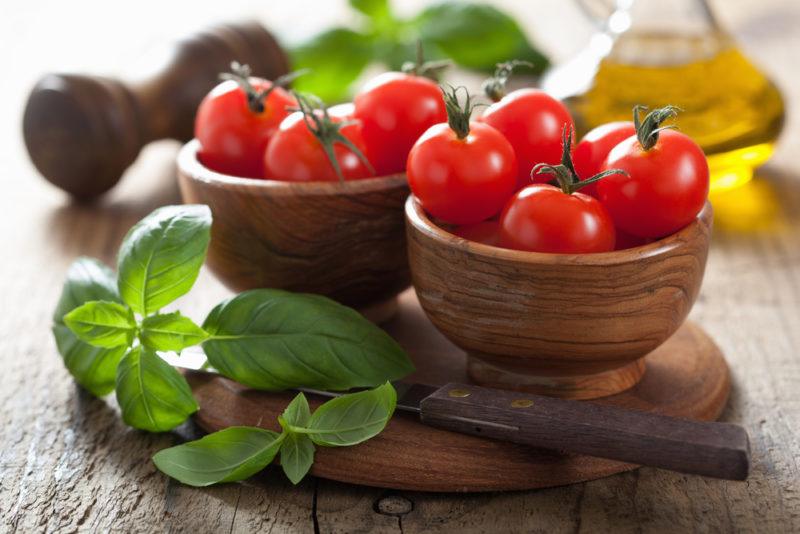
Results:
[458, 393]
[521, 403]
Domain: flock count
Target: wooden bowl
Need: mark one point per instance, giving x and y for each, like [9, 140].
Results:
[572, 326]
[343, 240]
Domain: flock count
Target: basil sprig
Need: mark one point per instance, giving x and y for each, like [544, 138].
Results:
[239, 452]
[109, 330]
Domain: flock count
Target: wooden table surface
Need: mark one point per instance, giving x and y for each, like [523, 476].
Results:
[67, 463]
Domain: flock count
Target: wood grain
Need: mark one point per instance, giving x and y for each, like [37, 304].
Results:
[685, 377]
[82, 132]
[68, 464]
[564, 325]
[343, 240]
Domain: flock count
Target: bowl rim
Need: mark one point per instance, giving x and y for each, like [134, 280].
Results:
[190, 166]
[419, 220]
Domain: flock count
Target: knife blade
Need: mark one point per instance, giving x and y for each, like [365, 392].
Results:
[720, 450]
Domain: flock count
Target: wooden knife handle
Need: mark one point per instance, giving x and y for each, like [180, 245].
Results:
[720, 450]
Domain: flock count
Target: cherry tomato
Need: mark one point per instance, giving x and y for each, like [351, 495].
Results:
[543, 218]
[665, 188]
[296, 154]
[234, 129]
[625, 240]
[532, 121]
[462, 180]
[395, 109]
[486, 232]
[591, 152]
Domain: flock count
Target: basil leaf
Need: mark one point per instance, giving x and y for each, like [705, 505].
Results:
[160, 258]
[92, 367]
[272, 339]
[297, 455]
[353, 418]
[476, 36]
[335, 59]
[232, 454]
[151, 393]
[103, 324]
[297, 413]
[170, 331]
[375, 9]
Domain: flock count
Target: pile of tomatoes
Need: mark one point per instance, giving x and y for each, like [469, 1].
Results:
[509, 178]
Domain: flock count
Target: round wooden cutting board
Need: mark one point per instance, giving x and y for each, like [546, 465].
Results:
[687, 377]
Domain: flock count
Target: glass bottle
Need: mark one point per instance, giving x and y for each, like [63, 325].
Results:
[658, 52]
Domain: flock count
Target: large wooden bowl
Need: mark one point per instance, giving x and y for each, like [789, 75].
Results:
[343, 240]
[573, 326]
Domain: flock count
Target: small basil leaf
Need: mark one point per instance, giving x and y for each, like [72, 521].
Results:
[476, 36]
[160, 258]
[93, 368]
[297, 455]
[151, 393]
[297, 413]
[272, 339]
[353, 418]
[170, 331]
[229, 455]
[375, 9]
[334, 60]
[103, 324]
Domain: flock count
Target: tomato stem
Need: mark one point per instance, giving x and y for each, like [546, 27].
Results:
[327, 132]
[426, 69]
[647, 130]
[458, 115]
[255, 98]
[495, 87]
[568, 180]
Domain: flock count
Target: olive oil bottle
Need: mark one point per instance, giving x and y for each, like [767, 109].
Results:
[729, 107]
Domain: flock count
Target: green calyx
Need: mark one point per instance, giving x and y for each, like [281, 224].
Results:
[647, 130]
[426, 69]
[564, 173]
[255, 98]
[458, 115]
[495, 87]
[319, 123]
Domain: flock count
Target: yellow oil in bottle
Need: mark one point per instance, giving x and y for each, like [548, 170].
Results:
[729, 107]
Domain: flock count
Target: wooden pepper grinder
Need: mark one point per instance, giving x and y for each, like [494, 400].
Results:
[82, 132]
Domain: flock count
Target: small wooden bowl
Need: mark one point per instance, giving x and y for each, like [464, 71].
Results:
[343, 240]
[572, 326]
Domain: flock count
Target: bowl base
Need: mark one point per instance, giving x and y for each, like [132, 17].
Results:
[380, 312]
[485, 371]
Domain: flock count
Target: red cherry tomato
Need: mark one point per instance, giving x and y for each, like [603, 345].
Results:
[625, 240]
[593, 149]
[462, 181]
[542, 218]
[532, 121]
[486, 232]
[295, 154]
[395, 109]
[232, 135]
[665, 189]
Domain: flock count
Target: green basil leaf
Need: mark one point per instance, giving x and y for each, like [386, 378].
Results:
[476, 36]
[353, 418]
[297, 455]
[272, 339]
[334, 60]
[92, 367]
[103, 324]
[151, 393]
[297, 413]
[160, 258]
[375, 9]
[229, 455]
[170, 331]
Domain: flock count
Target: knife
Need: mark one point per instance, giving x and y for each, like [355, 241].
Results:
[720, 450]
